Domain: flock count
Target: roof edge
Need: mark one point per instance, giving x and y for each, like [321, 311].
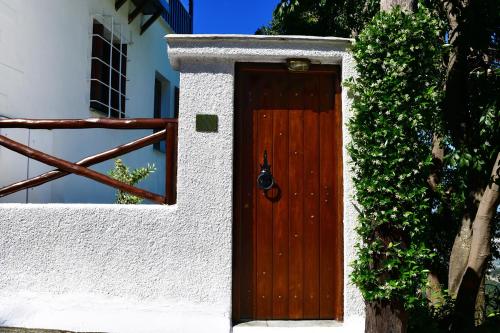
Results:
[251, 47]
[246, 38]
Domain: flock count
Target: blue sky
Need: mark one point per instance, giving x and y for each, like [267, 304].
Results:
[231, 17]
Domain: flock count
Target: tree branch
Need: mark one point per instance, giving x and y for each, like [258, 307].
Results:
[479, 254]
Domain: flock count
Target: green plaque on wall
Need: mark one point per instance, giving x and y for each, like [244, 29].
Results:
[207, 123]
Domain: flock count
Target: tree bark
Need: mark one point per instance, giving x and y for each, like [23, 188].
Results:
[385, 317]
[455, 106]
[480, 308]
[456, 87]
[480, 251]
[434, 292]
[437, 162]
[406, 5]
[459, 256]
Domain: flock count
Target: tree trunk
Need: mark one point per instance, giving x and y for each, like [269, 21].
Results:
[406, 5]
[459, 256]
[434, 292]
[385, 317]
[480, 313]
[480, 251]
[437, 162]
[455, 107]
[456, 83]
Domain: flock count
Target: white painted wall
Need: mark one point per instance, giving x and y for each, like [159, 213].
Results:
[202, 55]
[160, 268]
[115, 268]
[45, 49]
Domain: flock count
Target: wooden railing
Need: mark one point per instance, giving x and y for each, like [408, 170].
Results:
[167, 130]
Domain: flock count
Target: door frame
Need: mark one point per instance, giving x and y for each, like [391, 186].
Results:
[338, 136]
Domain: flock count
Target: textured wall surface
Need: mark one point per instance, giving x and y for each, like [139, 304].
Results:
[115, 268]
[354, 306]
[211, 53]
[156, 268]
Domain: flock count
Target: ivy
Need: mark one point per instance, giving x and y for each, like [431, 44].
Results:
[395, 99]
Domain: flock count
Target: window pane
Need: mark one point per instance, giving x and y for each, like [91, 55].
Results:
[157, 108]
[108, 66]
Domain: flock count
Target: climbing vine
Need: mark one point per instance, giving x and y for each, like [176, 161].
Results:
[396, 100]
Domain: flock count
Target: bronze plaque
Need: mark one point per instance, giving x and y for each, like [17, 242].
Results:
[207, 123]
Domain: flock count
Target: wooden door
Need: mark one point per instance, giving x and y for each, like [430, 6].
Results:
[288, 247]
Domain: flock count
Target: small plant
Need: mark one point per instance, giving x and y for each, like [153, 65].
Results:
[122, 173]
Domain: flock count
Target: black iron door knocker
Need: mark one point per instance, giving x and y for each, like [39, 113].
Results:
[265, 180]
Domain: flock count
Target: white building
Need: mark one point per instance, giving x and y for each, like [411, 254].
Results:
[54, 63]
[227, 251]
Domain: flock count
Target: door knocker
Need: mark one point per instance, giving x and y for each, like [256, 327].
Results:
[265, 180]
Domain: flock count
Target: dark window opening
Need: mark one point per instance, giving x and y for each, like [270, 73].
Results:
[157, 111]
[108, 77]
[176, 103]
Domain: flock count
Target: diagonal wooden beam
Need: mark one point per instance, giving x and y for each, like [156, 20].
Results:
[78, 170]
[151, 20]
[119, 4]
[136, 11]
[86, 162]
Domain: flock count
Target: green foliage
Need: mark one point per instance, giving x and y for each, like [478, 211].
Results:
[492, 319]
[320, 18]
[492, 295]
[467, 166]
[122, 173]
[395, 100]
[470, 135]
[430, 320]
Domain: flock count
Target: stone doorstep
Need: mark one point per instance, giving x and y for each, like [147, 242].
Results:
[295, 326]
[33, 330]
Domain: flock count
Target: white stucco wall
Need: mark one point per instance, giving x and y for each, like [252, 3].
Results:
[156, 268]
[202, 54]
[45, 50]
[110, 268]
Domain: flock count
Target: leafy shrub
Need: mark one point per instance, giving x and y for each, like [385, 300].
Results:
[395, 102]
[122, 173]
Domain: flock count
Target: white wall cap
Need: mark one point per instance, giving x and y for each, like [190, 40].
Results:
[255, 48]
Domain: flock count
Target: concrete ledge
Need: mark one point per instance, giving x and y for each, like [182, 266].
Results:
[255, 48]
[245, 38]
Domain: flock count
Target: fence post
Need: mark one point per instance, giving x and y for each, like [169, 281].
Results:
[171, 164]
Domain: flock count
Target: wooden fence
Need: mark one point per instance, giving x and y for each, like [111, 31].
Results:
[167, 130]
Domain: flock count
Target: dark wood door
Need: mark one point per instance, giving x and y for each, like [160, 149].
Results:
[288, 249]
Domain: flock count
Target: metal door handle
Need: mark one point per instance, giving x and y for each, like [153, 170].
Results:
[265, 180]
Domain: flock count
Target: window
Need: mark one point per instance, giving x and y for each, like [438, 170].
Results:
[161, 106]
[108, 70]
[176, 102]
[157, 111]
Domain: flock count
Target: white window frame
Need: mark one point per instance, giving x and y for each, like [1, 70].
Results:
[116, 34]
